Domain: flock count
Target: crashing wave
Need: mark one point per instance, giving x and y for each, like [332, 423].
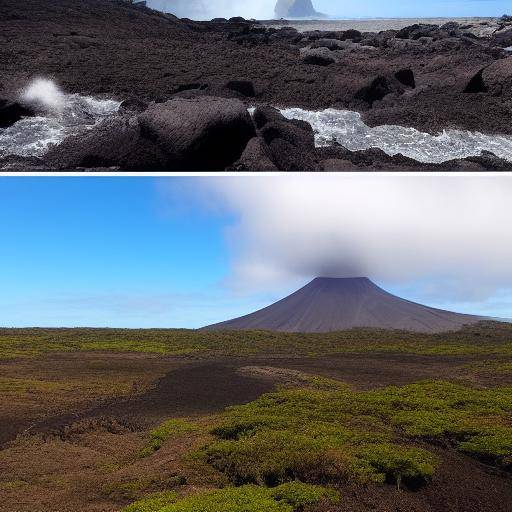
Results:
[348, 129]
[59, 115]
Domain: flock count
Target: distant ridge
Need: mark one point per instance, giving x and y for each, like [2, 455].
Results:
[336, 304]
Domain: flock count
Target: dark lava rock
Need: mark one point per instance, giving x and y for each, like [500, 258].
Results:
[351, 34]
[376, 91]
[244, 87]
[418, 31]
[317, 56]
[113, 143]
[288, 34]
[237, 19]
[330, 44]
[476, 84]
[503, 38]
[497, 77]
[133, 105]
[201, 134]
[11, 112]
[290, 142]
[255, 158]
[406, 77]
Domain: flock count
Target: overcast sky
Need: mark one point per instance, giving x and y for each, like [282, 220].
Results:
[185, 252]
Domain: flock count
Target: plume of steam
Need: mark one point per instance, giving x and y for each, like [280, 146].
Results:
[45, 95]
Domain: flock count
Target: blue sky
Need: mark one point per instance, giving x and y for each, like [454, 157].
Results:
[162, 252]
[264, 9]
[414, 8]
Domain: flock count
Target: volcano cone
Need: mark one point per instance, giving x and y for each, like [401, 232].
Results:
[336, 304]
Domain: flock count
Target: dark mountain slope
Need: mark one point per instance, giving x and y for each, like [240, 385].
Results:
[335, 304]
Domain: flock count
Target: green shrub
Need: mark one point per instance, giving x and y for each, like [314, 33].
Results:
[323, 435]
[250, 498]
[298, 494]
[494, 445]
[240, 499]
[163, 432]
[153, 502]
[395, 464]
[269, 458]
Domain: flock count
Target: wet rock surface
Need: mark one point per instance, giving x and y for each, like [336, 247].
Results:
[426, 76]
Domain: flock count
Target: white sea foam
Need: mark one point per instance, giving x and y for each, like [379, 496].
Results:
[59, 115]
[348, 129]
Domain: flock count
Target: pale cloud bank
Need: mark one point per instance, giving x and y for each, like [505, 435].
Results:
[451, 233]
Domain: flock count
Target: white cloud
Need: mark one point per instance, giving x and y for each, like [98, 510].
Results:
[207, 9]
[451, 233]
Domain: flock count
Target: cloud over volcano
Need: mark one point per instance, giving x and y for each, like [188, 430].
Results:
[453, 231]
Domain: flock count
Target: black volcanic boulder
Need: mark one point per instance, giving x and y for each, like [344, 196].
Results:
[290, 143]
[115, 143]
[255, 158]
[199, 134]
[379, 88]
[476, 84]
[317, 56]
[330, 44]
[11, 112]
[497, 78]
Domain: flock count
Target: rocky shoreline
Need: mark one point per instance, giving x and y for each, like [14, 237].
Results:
[186, 87]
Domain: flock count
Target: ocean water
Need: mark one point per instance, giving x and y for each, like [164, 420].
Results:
[484, 25]
[60, 115]
[348, 129]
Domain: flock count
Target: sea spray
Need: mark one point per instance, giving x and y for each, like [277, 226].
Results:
[59, 116]
[348, 129]
[44, 94]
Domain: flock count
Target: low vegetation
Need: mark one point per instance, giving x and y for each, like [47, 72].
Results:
[486, 338]
[322, 436]
[289, 497]
[288, 450]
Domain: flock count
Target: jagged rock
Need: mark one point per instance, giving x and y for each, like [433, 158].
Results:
[376, 91]
[255, 158]
[201, 134]
[288, 34]
[406, 77]
[113, 143]
[133, 105]
[331, 44]
[476, 84]
[11, 112]
[291, 142]
[317, 56]
[503, 37]
[497, 78]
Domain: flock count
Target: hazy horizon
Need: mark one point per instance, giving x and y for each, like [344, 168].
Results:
[264, 9]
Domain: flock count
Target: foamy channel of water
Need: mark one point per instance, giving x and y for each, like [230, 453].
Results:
[33, 136]
[348, 129]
